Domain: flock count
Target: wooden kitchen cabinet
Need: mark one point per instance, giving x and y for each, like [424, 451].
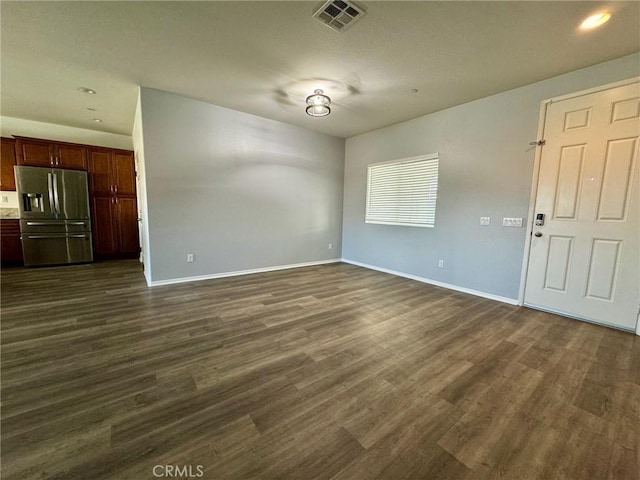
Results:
[112, 188]
[45, 153]
[10, 244]
[115, 226]
[8, 160]
[112, 172]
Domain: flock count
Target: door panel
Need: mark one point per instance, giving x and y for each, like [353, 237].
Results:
[583, 261]
[125, 180]
[103, 230]
[7, 162]
[35, 153]
[35, 197]
[625, 110]
[100, 172]
[128, 225]
[558, 261]
[577, 119]
[569, 182]
[617, 179]
[71, 156]
[603, 268]
[51, 249]
[73, 196]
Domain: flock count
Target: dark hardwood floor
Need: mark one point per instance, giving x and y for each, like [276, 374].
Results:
[328, 372]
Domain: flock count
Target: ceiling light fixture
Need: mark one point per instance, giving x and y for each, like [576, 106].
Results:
[90, 91]
[595, 20]
[318, 104]
[97, 120]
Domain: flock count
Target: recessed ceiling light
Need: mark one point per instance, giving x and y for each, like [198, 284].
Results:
[87, 90]
[595, 20]
[97, 120]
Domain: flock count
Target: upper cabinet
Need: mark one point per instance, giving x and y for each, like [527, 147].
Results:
[45, 153]
[111, 172]
[8, 154]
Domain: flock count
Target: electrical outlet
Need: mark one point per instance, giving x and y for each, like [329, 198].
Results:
[330, 246]
[5, 199]
[485, 221]
[440, 263]
[189, 257]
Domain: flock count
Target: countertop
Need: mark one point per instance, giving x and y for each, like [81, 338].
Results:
[9, 213]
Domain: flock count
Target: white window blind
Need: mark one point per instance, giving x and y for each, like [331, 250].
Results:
[403, 192]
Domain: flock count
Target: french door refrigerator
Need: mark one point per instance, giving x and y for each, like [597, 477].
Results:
[55, 225]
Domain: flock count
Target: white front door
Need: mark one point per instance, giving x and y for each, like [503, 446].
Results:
[584, 259]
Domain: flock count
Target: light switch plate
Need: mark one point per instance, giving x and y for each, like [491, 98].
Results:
[485, 220]
[511, 222]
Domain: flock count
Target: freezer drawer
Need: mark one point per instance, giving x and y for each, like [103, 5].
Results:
[55, 249]
[55, 226]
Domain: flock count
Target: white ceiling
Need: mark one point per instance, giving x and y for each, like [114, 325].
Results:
[265, 57]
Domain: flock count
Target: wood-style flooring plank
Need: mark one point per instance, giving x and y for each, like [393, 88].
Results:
[325, 372]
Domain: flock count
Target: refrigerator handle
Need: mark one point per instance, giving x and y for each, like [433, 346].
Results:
[55, 194]
[52, 202]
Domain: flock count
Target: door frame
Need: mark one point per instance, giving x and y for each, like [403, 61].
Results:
[536, 173]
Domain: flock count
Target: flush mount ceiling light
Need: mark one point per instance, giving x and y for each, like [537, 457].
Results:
[318, 104]
[89, 91]
[595, 20]
[97, 120]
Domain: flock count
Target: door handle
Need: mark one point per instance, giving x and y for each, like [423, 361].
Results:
[52, 203]
[62, 236]
[56, 199]
[538, 234]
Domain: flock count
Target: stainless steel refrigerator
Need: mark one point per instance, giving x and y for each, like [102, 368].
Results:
[55, 224]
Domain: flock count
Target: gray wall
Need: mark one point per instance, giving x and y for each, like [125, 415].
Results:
[238, 191]
[485, 170]
[141, 190]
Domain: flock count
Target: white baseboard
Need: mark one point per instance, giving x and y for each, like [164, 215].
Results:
[197, 278]
[510, 301]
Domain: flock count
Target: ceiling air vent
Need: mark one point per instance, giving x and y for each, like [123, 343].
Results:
[338, 14]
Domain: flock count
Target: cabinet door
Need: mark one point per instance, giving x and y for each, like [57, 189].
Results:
[125, 173]
[104, 235]
[100, 176]
[10, 245]
[71, 156]
[127, 220]
[35, 153]
[8, 160]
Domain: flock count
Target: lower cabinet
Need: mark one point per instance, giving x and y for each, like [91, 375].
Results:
[10, 245]
[115, 226]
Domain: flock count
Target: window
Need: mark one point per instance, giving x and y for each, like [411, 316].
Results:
[403, 192]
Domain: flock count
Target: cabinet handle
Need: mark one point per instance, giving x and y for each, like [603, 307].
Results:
[116, 187]
[51, 160]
